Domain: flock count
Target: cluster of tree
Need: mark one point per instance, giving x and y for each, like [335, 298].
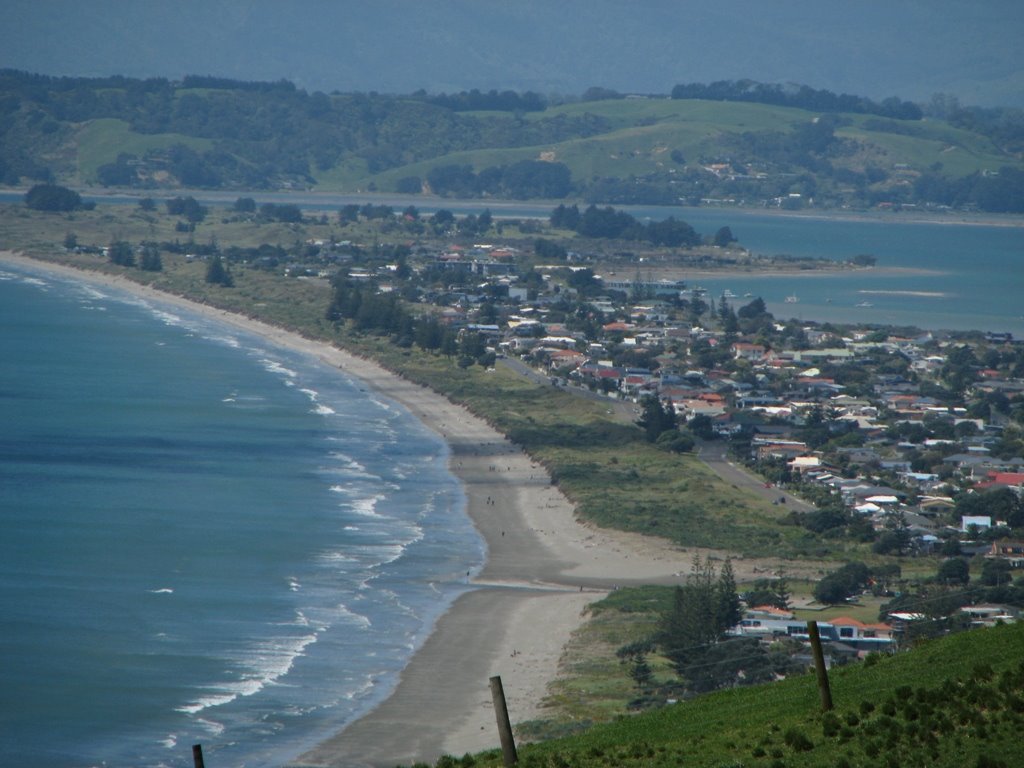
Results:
[838, 585]
[285, 212]
[371, 311]
[802, 97]
[187, 207]
[217, 272]
[53, 197]
[691, 635]
[658, 421]
[522, 180]
[833, 521]
[475, 101]
[1001, 192]
[122, 253]
[614, 224]
[1000, 504]
[1004, 125]
[656, 418]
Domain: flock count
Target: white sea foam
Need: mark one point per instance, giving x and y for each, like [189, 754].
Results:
[367, 507]
[266, 663]
[349, 465]
[384, 553]
[205, 702]
[336, 558]
[161, 591]
[318, 407]
[275, 367]
[350, 617]
[212, 727]
[170, 742]
[89, 292]
[227, 341]
[167, 318]
[360, 690]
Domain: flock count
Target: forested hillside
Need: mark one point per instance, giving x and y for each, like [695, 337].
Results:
[730, 142]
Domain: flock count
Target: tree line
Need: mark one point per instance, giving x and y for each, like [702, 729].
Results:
[615, 224]
[799, 96]
[369, 311]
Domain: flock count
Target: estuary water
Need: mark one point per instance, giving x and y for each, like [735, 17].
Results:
[942, 273]
[954, 276]
[206, 539]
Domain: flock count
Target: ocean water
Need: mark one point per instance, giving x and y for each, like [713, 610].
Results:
[205, 539]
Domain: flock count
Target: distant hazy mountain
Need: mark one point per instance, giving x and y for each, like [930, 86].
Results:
[907, 48]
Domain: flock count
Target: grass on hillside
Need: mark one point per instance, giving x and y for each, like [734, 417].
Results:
[641, 135]
[101, 141]
[644, 131]
[956, 702]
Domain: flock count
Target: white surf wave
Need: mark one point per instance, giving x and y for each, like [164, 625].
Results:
[264, 663]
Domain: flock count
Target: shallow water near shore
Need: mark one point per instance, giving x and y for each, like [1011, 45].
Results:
[207, 539]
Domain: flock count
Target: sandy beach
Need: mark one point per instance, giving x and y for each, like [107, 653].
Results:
[543, 568]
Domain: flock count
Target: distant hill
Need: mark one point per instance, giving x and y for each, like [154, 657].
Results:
[740, 142]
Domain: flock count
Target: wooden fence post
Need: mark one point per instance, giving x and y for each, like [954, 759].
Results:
[508, 742]
[819, 666]
[197, 756]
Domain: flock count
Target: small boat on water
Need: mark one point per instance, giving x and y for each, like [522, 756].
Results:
[792, 299]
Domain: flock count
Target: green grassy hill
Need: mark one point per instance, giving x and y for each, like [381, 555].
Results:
[957, 702]
[224, 134]
[643, 133]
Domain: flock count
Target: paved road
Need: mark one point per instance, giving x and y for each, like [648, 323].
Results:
[713, 454]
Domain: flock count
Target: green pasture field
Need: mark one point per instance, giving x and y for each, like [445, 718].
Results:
[100, 142]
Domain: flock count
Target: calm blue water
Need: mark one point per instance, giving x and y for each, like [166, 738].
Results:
[948, 276]
[205, 539]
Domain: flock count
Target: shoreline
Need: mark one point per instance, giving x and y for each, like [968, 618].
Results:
[543, 569]
[501, 207]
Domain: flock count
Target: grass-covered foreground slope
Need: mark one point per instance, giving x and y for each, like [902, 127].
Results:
[957, 702]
